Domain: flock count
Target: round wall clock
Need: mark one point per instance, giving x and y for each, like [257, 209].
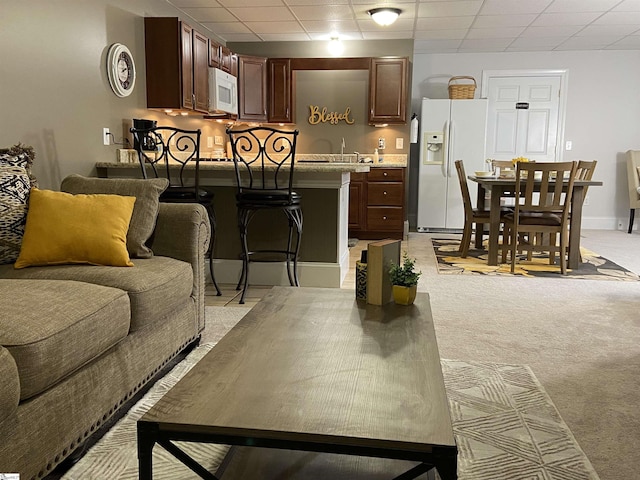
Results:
[121, 70]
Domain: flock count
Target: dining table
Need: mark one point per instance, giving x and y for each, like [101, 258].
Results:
[503, 187]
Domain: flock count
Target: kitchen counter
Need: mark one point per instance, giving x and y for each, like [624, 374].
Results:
[324, 252]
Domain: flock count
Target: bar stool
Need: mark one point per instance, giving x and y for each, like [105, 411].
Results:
[165, 149]
[264, 160]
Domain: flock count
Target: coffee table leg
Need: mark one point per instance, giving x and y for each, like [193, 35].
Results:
[147, 435]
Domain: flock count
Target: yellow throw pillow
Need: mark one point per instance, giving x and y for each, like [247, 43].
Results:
[63, 228]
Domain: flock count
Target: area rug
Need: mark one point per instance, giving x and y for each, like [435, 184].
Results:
[594, 267]
[505, 424]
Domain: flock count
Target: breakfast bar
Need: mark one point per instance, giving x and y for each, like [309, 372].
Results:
[324, 252]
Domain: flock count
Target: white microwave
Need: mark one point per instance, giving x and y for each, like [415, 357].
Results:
[223, 92]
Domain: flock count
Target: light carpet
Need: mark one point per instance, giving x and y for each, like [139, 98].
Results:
[505, 424]
[594, 266]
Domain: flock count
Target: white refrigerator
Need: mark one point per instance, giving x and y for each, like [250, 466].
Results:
[450, 130]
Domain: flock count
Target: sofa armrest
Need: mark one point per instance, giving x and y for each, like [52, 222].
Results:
[183, 232]
[9, 384]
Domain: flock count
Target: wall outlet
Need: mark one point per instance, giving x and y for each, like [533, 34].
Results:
[568, 145]
[399, 143]
[105, 136]
[209, 142]
[381, 143]
[219, 140]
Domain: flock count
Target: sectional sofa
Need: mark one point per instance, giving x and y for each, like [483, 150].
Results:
[78, 340]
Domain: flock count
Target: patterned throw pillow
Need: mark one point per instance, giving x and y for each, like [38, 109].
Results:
[14, 194]
[19, 156]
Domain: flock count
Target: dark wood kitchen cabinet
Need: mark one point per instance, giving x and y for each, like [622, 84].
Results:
[177, 65]
[281, 93]
[377, 205]
[252, 88]
[388, 84]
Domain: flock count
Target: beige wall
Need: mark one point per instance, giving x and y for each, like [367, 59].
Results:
[54, 92]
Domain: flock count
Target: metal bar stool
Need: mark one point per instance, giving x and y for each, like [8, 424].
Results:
[264, 159]
[168, 151]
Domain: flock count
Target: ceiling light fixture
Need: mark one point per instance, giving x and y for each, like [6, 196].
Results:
[384, 16]
[335, 46]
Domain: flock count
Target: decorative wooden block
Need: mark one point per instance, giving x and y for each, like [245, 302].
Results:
[380, 257]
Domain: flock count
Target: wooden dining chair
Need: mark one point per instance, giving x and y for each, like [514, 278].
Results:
[541, 215]
[471, 215]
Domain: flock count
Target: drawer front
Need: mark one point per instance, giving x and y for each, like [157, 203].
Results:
[385, 218]
[387, 194]
[386, 174]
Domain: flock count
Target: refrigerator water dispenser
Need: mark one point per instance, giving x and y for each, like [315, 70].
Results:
[434, 148]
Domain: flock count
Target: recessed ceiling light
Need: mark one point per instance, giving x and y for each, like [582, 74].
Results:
[384, 16]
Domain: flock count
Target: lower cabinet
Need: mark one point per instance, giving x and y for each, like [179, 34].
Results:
[376, 204]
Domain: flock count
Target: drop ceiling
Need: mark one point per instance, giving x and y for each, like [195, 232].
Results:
[437, 26]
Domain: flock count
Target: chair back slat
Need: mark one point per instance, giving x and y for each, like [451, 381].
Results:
[264, 157]
[464, 187]
[175, 148]
[544, 187]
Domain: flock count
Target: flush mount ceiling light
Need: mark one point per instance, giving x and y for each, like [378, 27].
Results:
[384, 16]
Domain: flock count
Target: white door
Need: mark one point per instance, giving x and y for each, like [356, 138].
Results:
[523, 117]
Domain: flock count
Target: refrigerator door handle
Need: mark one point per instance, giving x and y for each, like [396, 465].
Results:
[452, 138]
[445, 145]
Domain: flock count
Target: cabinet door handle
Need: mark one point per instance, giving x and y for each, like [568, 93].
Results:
[384, 193]
[384, 174]
[384, 217]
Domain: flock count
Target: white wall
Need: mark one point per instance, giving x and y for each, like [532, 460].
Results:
[602, 118]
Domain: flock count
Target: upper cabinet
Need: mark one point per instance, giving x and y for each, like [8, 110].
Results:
[252, 88]
[280, 91]
[177, 62]
[388, 84]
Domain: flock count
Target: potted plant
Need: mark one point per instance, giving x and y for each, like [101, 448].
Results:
[404, 280]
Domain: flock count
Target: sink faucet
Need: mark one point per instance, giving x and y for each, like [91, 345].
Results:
[342, 145]
[357, 156]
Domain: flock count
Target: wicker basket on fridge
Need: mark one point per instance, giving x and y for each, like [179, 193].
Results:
[462, 91]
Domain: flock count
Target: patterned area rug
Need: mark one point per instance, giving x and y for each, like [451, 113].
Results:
[505, 424]
[594, 266]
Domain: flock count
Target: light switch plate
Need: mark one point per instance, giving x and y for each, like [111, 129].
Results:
[218, 140]
[399, 143]
[209, 142]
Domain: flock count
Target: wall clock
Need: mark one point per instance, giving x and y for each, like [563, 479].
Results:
[121, 70]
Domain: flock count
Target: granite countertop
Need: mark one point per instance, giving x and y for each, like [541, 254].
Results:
[313, 163]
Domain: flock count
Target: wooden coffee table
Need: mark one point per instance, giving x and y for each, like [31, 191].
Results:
[314, 370]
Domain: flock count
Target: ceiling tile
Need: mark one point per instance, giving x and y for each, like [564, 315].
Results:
[555, 19]
[505, 7]
[440, 34]
[449, 9]
[632, 41]
[581, 5]
[251, 3]
[275, 27]
[590, 42]
[391, 35]
[492, 21]
[619, 18]
[512, 32]
[607, 30]
[322, 12]
[443, 23]
[286, 37]
[485, 44]
[345, 35]
[329, 25]
[435, 45]
[628, 6]
[210, 14]
[226, 27]
[317, 2]
[241, 37]
[538, 41]
[556, 31]
[268, 14]
[195, 3]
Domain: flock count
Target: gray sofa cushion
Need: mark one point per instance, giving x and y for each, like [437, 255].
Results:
[145, 210]
[53, 327]
[9, 384]
[156, 286]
